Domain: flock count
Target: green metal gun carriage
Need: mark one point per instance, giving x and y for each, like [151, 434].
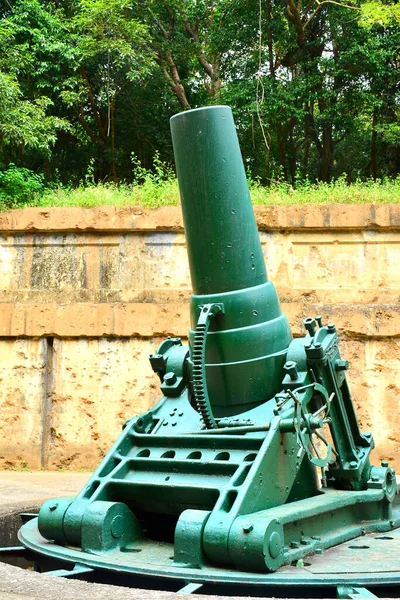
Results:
[253, 461]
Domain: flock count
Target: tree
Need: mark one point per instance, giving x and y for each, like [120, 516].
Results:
[83, 54]
[193, 42]
[313, 85]
[24, 124]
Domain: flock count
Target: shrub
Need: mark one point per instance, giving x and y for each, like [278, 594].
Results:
[19, 187]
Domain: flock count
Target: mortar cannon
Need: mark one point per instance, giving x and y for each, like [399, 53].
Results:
[253, 458]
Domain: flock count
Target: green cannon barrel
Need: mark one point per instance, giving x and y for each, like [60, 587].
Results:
[247, 345]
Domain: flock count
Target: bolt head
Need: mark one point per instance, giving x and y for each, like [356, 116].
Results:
[117, 526]
[384, 464]
[341, 365]
[303, 540]
[275, 544]
[247, 527]
[291, 369]
[170, 378]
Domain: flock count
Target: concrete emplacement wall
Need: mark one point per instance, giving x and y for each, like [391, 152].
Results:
[87, 294]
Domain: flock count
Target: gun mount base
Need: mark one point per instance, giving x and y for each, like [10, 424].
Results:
[349, 570]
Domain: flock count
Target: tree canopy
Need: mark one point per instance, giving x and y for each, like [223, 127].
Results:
[314, 85]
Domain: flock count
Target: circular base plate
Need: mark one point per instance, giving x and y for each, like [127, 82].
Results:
[371, 561]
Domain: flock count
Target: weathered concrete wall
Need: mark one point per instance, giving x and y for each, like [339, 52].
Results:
[87, 295]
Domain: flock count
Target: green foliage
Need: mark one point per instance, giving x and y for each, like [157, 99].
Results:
[154, 187]
[161, 172]
[336, 192]
[376, 12]
[24, 123]
[157, 191]
[108, 28]
[150, 188]
[19, 187]
[86, 84]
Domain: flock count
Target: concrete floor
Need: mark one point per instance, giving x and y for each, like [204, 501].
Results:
[27, 487]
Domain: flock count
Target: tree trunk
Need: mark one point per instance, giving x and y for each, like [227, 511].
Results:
[172, 76]
[374, 139]
[281, 150]
[4, 152]
[306, 154]
[327, 154]
[113, 165]
[292, 151]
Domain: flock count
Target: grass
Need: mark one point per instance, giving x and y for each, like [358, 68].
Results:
[149, 195]
[153, 194]
[159, 187]
[337, 192]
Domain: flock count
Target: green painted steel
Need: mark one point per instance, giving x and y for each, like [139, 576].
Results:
[220, 228]
[232, 474]
[251, 337]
